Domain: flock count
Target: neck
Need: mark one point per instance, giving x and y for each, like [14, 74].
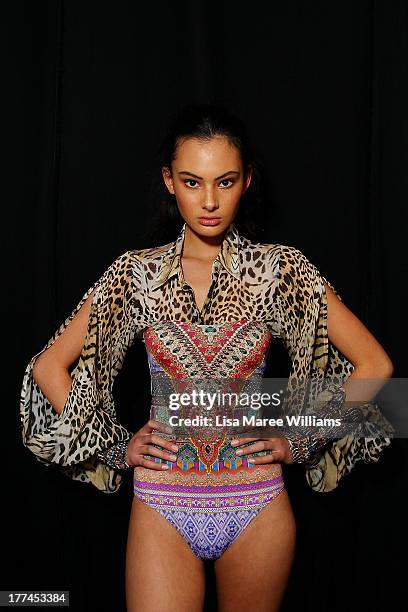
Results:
[205, 248]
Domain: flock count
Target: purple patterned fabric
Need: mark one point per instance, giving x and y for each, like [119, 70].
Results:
[209, 535]
[210, 518]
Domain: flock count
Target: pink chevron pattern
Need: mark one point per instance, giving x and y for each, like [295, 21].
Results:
[187, 351]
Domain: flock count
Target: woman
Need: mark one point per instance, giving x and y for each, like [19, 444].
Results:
[205, 304]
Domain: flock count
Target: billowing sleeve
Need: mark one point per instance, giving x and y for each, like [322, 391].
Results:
[301, 304]
[88, 422]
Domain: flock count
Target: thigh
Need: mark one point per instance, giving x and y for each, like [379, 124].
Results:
[162, 573]
[254, 571]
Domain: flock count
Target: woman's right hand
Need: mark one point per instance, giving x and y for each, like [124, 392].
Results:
[141, 444]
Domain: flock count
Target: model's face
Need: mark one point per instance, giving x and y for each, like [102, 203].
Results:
[207, 178]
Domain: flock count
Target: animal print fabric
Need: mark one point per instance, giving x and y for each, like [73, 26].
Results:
[271, 283]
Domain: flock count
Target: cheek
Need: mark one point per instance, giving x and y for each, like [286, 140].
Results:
[186, 200]
[186, 196]
[232, 197]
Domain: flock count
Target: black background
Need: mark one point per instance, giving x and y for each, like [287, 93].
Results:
[322, 87]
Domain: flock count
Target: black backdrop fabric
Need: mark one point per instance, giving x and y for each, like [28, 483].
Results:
[322, 87]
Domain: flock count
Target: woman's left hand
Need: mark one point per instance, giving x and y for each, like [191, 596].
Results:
[278, 447]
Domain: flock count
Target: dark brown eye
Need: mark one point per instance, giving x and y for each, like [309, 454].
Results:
[190, 181]
[227, 181]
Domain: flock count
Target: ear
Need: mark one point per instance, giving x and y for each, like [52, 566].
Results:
[168, 179]
[248, 177]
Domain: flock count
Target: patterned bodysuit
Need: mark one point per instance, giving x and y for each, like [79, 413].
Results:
[209, 494]
[141, 296]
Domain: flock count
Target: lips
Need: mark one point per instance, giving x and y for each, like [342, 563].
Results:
[209, 220]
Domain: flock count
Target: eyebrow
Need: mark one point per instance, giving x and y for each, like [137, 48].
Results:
[201, 178]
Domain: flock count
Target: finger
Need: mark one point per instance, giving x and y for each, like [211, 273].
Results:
[168, 444]
[152, 465]
[239, 441]
[156, 452]
[272, 457]
[260, 445]
[153, 424]
[153, 438]
[279, 441]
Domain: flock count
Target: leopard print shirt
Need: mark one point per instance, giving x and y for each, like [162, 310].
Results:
[273, 283]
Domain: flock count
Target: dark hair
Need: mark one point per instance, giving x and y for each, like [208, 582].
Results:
[205, 121]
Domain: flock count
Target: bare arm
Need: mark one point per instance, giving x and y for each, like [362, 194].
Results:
[360, 347]
[50, 371]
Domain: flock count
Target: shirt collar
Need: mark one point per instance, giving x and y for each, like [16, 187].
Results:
[228, 256]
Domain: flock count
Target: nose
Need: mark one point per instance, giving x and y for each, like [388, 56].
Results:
[210, 199]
